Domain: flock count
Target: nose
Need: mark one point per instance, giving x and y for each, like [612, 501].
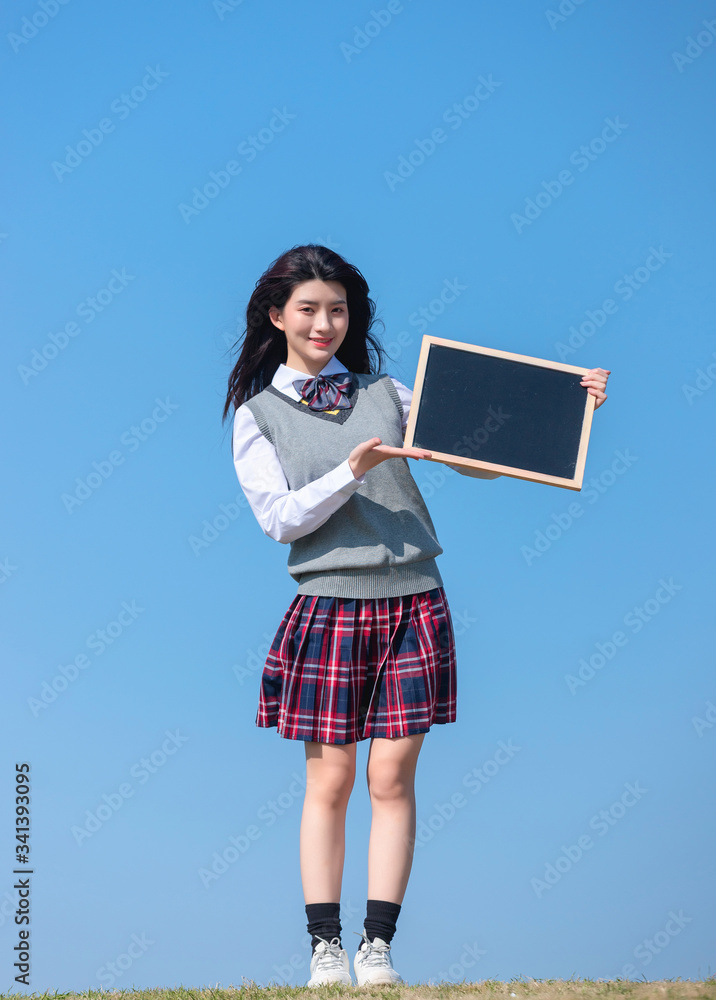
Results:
[322, 323]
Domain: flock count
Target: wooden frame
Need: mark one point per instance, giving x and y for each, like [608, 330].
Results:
[573, 483]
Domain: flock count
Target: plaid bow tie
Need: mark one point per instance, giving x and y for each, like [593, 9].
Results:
[325, 392]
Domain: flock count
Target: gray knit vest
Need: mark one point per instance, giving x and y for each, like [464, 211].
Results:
[382, 541]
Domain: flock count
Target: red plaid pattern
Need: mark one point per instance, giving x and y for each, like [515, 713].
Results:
[344, 669]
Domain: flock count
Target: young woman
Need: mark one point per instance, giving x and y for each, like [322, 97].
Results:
[366, 649]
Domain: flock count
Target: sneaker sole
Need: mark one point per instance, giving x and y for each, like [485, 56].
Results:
[327, 982]
[378, 981]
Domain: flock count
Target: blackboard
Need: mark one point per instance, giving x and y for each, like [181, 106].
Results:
[510, 413]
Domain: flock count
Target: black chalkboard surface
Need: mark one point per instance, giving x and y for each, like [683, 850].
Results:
[523, 417]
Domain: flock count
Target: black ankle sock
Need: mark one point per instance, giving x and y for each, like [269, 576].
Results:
[381, 917]
[324, 921]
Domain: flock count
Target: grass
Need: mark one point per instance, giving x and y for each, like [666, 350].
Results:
[486, 989]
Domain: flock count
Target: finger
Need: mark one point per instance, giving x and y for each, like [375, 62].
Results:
[387, 449]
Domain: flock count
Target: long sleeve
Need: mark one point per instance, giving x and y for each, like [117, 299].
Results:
[284, 514]
[406, 397]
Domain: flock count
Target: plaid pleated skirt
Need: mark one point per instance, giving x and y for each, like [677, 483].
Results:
[343, 669]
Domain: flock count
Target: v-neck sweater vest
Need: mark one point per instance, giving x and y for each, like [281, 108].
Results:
[382, 541]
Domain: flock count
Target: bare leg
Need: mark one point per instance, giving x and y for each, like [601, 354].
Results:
[330, 774]
[391, 783]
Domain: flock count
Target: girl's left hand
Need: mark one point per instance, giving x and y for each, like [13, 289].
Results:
[596, 378]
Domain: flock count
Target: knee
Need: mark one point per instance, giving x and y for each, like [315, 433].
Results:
[389, 784]
[332, 785]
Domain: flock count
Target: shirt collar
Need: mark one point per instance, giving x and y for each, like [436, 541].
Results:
[285, 376]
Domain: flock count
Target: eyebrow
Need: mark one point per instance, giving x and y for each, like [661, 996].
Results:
[311, 302]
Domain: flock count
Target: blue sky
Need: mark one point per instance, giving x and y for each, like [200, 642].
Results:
[580, 771]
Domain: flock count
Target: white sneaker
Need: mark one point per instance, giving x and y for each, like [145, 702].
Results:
[329, 964]
[372, 963]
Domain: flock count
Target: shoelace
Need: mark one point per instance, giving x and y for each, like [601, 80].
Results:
[375, 955]
[331, 959]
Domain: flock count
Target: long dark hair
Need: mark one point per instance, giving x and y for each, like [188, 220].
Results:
[264, 345]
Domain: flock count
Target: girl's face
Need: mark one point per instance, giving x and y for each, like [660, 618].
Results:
[315, 321]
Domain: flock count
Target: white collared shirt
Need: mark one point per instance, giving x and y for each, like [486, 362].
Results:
[286, 514]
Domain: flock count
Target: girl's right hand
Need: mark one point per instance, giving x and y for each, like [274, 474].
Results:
[368, 454]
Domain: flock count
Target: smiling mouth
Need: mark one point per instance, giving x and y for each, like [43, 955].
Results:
[317, 340]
